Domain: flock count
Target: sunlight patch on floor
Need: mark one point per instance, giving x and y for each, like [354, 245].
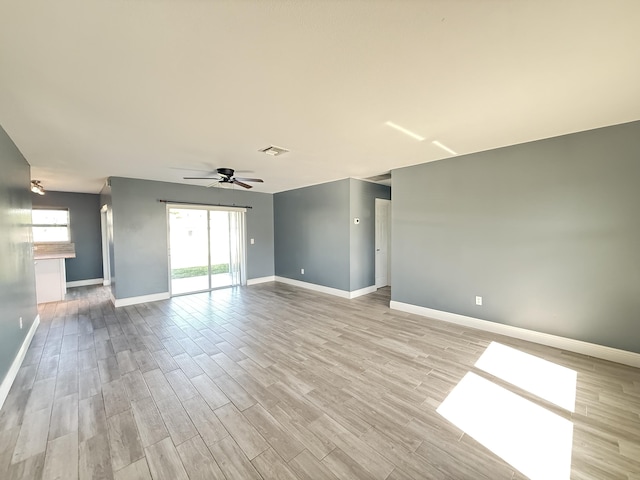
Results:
[529, 437]
[548, 380]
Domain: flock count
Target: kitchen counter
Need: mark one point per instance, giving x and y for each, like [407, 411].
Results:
[51, 275]
[44, 251]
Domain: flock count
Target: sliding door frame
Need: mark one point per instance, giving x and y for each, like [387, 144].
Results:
[206, 208]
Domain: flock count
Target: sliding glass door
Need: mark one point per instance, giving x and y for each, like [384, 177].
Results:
[188, 250]
[220, 259]
[206, 248]
[237, 253]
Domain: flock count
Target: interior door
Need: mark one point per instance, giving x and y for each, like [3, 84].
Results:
[383, 242]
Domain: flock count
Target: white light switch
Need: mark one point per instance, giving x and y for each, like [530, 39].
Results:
[252, 241]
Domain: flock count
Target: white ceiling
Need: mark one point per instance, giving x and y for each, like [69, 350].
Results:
[167, 88]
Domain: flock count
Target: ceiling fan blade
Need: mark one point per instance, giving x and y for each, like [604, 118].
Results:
[249, 179]
[237, 182]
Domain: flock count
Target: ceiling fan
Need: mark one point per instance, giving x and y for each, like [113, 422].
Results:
[225, 175]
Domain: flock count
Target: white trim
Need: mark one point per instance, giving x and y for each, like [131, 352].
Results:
[570, 344]
[328, 290]
[125, 302]
[363, 291]
[167, 211]
[255, 281]
[313, 286]
[85, 283]
[104, 234]
[17, 362]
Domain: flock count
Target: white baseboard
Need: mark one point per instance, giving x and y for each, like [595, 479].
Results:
[314, 287]
[255, 281]
[577, 346]
[322, 289]
[362, 291]
[125, 302]
[85, 283]
[106, 283]
[9, 378]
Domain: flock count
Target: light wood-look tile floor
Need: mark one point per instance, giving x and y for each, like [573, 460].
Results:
[271, 381]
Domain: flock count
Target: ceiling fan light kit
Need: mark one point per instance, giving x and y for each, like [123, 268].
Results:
[36, 187]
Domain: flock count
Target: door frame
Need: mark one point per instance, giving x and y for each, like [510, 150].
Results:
[106, 255]
[378, 203]
[191, 206]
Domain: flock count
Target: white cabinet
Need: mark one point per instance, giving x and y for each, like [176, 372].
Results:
[51, 280]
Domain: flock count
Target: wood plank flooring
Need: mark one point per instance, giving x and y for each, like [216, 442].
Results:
[271, 381]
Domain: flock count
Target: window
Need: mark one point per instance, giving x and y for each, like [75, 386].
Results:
[50, 225]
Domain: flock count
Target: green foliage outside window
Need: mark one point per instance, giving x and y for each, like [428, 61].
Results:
[189, 272]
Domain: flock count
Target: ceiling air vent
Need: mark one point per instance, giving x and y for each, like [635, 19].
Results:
[273, 150]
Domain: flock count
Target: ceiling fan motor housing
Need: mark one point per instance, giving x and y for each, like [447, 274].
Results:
[225, 172]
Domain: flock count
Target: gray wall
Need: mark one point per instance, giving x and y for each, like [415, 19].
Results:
[547, 232]
[17, 274]
[363, 236]
[140, 231]
[84, 217]
[312, 232]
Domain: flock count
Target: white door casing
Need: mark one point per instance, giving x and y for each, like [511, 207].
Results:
[106, 260]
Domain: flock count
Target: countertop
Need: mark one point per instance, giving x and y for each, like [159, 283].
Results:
[47, 251]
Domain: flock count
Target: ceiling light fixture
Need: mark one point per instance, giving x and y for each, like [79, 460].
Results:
[444, 147]
[36, 187]
[273, 151]
[405, 131]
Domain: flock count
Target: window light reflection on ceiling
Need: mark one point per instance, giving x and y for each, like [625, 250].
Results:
[406, 131]
[444, 147]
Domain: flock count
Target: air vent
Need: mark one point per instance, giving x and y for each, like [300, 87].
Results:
[273, 150]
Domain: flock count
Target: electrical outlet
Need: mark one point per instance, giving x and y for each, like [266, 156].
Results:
[20, 323]
[478, 300]
[302, 271]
